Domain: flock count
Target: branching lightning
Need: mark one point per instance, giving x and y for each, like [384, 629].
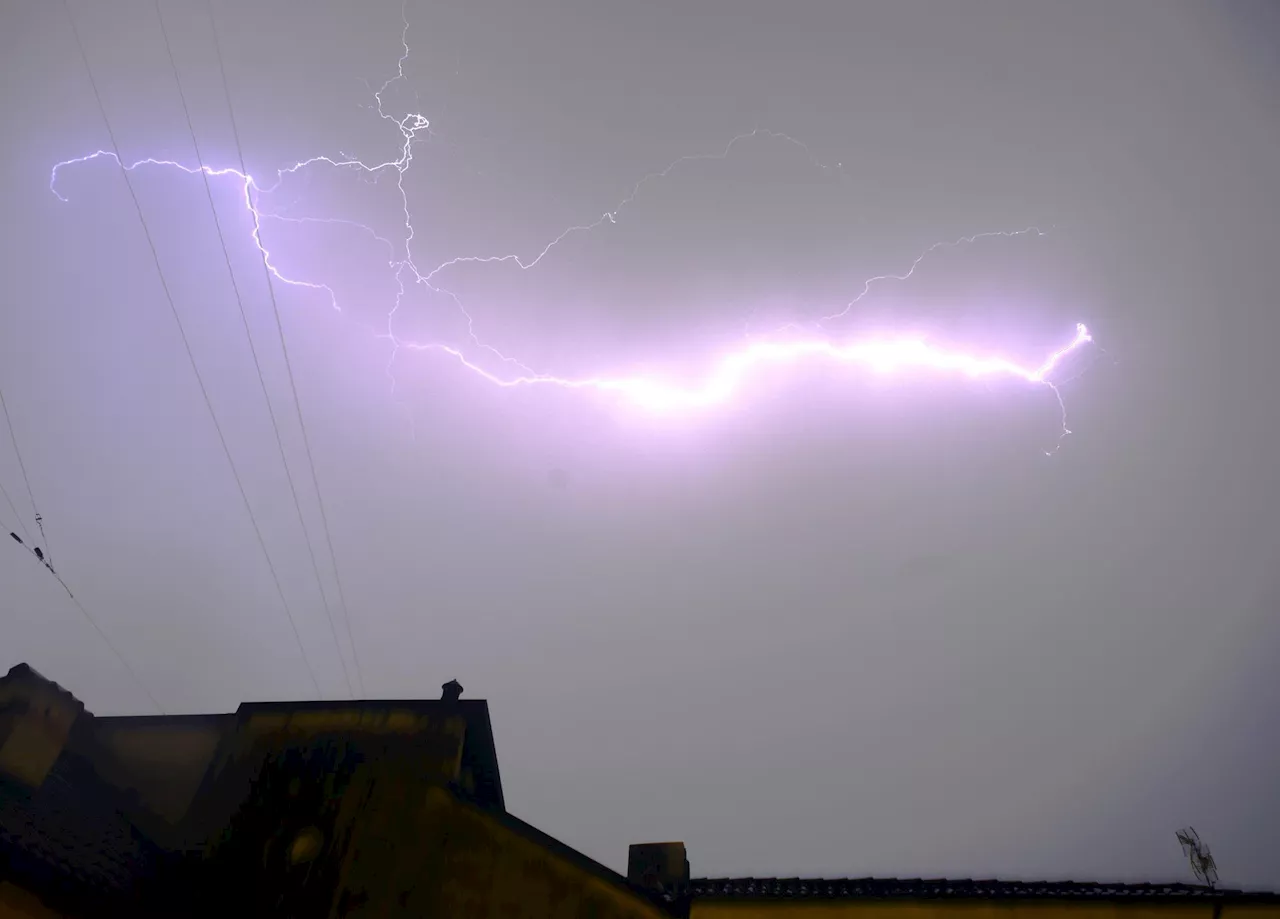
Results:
[727, 374]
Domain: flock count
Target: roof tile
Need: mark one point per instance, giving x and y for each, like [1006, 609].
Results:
[916, 888]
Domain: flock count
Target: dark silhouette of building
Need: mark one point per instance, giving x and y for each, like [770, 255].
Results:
[379, 808]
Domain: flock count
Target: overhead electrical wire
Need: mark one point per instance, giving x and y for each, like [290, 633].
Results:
[182, 332]
[110, 644]
[293, 385]
[26, 480]
[4, 492]
[253, 350]
[44, 558]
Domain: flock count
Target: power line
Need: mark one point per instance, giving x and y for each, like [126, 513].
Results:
[43, 557]
[109, 643]
[9, 500]
[26, 480]
[186, 343]
[244, 318]
[293, 385]
[111, 646]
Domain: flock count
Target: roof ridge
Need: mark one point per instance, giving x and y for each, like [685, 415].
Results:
[886, 887]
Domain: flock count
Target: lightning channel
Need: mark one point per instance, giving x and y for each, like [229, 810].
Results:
[727, 376]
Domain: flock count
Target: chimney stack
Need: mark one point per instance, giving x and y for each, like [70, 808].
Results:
[662, 867]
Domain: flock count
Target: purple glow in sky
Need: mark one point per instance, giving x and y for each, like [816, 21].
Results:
[727, 373]
[731, 449]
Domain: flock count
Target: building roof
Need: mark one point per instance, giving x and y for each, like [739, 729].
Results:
[71, 833]
[25, 673]
[941, 888]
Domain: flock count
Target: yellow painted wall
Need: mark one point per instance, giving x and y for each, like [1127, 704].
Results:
[37, 719]
[491, 870]
[420, 852]
[342, 719]
[990, 909]
[430, 746]
[16, 903]
[438, 740]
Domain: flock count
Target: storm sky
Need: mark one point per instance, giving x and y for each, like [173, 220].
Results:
[843, 626]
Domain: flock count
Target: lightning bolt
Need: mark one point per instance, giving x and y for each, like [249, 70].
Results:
[728, 374]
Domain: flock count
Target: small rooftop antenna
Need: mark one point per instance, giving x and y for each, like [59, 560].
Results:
[1197, 853]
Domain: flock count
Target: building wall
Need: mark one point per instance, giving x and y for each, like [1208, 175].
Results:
[491, 870]
[427, 744]
[163, 760]
[16, 903]
[439, 856]
[990, 909]
[36, 718]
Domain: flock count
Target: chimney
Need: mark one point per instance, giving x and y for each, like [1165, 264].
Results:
[451, 691]
[662, 867]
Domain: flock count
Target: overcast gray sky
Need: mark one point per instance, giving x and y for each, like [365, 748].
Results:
[844, 626]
